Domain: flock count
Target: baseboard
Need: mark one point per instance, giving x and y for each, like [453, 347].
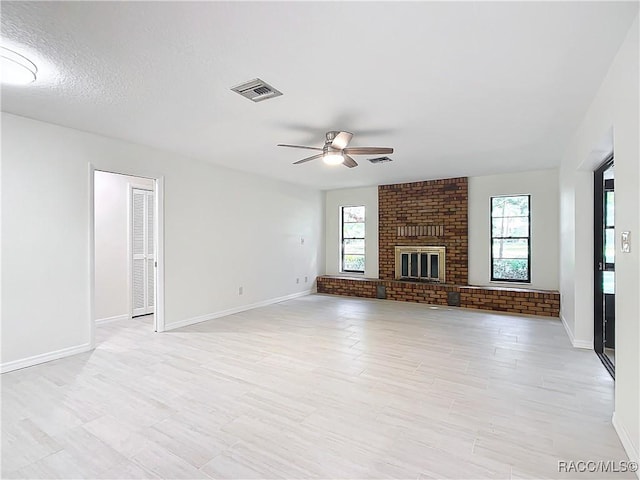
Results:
[115, 318]
[576, 343]
[625, 439]
[43, 358]
[231, 311]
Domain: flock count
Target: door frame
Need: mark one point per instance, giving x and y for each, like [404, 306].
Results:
[598, 246]
[159, 314]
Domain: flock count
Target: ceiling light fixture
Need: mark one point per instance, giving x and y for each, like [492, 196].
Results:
[333, 159]
[16, 69]
[332, 156]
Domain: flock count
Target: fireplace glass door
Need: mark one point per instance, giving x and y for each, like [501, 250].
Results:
[420, 266]
[423, 263]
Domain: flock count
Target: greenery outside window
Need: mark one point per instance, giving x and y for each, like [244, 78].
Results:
[510, 239]
[352, 220]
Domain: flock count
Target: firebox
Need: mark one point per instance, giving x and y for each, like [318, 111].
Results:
[422, 263]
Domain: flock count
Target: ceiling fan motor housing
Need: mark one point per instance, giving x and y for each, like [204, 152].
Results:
[328, 149]
[331, 135]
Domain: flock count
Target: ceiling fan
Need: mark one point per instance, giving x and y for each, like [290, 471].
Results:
[335, 150]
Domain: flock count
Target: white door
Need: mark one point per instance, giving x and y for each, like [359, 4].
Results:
[142, 249]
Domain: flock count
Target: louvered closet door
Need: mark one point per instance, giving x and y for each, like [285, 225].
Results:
[142, 247]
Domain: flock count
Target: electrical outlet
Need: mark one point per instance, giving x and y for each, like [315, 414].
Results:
[306, 279]
[297, 280]
[301, 240]
[240, 290]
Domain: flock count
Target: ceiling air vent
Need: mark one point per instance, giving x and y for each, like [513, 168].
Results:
[256, 90]
[380, 160]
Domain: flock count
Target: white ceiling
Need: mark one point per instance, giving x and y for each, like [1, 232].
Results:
[456, 88]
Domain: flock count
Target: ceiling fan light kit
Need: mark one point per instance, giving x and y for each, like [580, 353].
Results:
[336, 151]
[333, 159]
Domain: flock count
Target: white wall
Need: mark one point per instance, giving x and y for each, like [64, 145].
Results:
[542, 185]
[615, 109]
[223, 229]
[335, 199]
[112, 286]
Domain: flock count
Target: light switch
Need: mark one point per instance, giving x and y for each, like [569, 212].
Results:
[625, 238]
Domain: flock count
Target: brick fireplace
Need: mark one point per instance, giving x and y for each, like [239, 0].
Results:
[422, 217]
[430, 213]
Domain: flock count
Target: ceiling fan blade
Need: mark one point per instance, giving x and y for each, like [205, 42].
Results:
[367, 150]
[308, 159]
[299, 146]
[349, 162]
[341, 140]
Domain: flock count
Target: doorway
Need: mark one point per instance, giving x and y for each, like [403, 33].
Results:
[604, 265]
[126, 249]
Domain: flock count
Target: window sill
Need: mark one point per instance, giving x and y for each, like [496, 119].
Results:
[508, 284]
[523, 287]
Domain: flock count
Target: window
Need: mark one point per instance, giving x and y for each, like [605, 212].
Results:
[608, 277]
[353, 239]
[510, 236]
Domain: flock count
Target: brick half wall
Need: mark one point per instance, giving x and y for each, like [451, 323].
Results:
[511, 300]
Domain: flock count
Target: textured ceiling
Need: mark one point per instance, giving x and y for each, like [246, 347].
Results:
[456, 88]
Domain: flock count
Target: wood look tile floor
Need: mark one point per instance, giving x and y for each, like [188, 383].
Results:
[317, 387]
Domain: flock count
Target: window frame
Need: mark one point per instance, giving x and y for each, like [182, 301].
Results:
[608, 189]
[343, 238]
[527, 238]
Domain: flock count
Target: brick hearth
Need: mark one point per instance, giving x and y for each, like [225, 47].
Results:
[512, 300]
